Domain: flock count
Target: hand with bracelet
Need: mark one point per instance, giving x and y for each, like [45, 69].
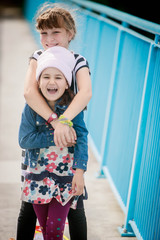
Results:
[66, 136]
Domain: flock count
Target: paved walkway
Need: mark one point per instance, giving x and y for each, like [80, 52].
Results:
[103, 212]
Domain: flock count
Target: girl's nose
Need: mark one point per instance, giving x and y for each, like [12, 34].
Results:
[52, 80]
[51, 39]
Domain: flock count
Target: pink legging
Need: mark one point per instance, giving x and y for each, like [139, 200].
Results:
[52, 217]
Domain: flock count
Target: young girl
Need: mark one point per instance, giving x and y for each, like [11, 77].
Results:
[57, 28]
[53, 173]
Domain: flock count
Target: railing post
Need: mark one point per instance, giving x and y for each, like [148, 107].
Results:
[108, 114]
[157, 39]
[109, 103]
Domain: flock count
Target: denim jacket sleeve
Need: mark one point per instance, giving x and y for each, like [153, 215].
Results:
[29, 135]
[81, 147]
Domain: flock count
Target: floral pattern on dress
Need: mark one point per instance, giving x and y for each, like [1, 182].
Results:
[62, 167]
[26, 191]
[52, 156]
[33, 185]
[43, 161]
[56, 161]
[50, 167]
[67, 159]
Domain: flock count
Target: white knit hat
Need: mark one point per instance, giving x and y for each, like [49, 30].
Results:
[58, 57]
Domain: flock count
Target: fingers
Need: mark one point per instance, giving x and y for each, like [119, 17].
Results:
[71, 137]
[64, 136]
[78, 184]
[74, 188]
[77, 190]
[74, 135]
[59, 139]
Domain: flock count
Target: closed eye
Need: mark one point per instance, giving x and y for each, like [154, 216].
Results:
[46, 76]
[43, 33]
[58, 78]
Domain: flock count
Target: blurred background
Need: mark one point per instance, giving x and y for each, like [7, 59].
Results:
[143, 9]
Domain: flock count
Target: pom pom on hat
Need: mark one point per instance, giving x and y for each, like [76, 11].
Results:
[58, 57]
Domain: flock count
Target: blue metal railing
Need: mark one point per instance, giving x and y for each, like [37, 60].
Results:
[123, 115]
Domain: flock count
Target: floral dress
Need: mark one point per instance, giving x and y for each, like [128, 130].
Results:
[52, 177]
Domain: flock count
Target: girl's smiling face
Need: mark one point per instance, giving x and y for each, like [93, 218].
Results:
[52, 84]
[55, 37]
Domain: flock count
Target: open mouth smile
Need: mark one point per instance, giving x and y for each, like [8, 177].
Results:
[53, 45]
[52, 90]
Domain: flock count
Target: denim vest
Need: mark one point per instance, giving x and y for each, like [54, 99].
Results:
[35, 133]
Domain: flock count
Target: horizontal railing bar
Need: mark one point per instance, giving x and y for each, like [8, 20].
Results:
[121, 16]
[119, 26]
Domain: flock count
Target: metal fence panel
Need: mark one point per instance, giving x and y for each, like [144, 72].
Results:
[125, 108]
[147, 206]
[103, 71]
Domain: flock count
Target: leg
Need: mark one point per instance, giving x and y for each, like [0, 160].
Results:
[77, 224]
[52, 218]
[57, 215]
[41, 211]
[26, 222]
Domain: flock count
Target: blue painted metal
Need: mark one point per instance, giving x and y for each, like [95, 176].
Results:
[138, 144]
[125, 233]
[121, 16]
[148, 190]
[125, 107]
[125, 135]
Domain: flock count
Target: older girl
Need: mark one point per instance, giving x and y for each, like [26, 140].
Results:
[57, 27]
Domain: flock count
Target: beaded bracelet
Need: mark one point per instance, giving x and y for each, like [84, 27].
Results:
[62, 119]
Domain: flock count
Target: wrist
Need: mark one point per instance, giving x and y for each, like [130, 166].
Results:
[79, 171]
[54, 124]
[62, 119]
[52, 118]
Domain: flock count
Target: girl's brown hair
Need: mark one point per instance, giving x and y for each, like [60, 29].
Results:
[67, 97]
[53, 15]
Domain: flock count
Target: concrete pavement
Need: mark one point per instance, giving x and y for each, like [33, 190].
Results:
[103, 212]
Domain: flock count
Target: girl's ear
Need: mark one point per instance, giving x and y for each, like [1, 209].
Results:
[71, 34]
[67, 86]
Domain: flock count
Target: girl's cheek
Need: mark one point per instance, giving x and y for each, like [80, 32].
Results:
[42, 39]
